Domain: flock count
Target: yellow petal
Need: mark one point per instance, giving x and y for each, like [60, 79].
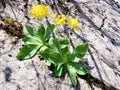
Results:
[73, 23]
[39, 11]
[53, 15]
[60, 19]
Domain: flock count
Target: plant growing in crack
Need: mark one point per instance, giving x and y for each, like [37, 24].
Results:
[55, 51]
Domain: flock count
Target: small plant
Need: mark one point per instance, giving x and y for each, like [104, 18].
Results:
[34, 40]
[11, 27]
[55, 51]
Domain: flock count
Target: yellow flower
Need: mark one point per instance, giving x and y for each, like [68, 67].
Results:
[39, 11]
[53, 15]
[60, 19]
[73, 23]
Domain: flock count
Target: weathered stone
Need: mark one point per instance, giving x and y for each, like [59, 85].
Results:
[99, 22]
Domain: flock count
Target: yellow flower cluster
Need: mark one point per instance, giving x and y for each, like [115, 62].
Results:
[39, 11]
[73, 23]
[60, 19]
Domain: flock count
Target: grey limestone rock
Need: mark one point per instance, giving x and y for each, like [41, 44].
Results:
[100, 26]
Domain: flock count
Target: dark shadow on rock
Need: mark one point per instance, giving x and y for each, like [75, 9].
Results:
[56, 6]
[11, 6]
[51, 68]
[72, 44]
[1, 9]
[40, 83]
[7, 73]
[3, 3]
[86, 64]
[116, 29]
[114, 5]
[80, 37]
[62, 78]
[96, 66]
[78, 86]
[100, 82]
[82, 15]
[97, 83]
[39, 1]
[26, 12]
[66, 32]
[92, 57]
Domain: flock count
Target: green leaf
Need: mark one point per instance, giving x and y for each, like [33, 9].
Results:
[65, 51]
[63, 42]
[44, 52]
[41, 33]
[50, 29]
[28, 51]
[66, 54]
[64, 68]
[56, 57]
[72, 73]
[57, 44]
[59, 49]
[80, 69]
[52, 56]
[48, 62]
[46, 57]
[29, 31]
[79, 52]
[58, 70]
[29, 40]
[52, 45]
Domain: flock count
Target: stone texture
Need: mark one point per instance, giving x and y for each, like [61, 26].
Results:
[99, 21]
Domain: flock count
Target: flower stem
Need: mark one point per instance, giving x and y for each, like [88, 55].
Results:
[69, 31]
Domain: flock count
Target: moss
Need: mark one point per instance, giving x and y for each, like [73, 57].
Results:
[12, 27]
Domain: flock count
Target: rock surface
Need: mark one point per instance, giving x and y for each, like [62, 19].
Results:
[99, 21]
